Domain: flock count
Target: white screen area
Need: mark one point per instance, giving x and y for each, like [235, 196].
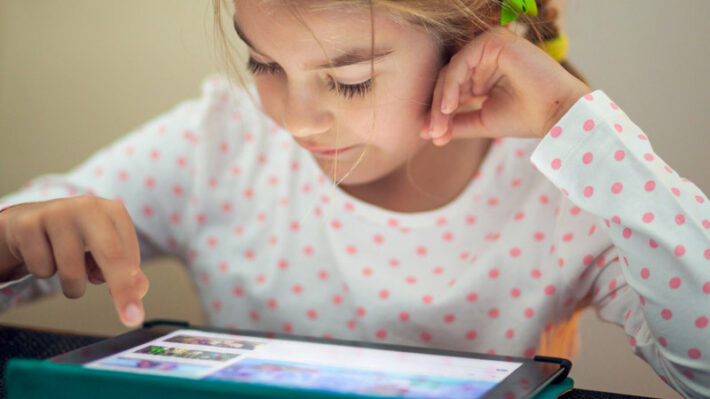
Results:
[306, 365]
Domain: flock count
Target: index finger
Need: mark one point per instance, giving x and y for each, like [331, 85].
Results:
[438, 121]
[113, 243]
[474, 65]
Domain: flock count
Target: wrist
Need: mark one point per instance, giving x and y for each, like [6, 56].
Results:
[564, 104]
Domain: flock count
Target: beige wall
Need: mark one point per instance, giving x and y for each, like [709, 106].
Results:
[76, 74]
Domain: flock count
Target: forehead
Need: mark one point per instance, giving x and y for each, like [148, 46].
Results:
[271, 26]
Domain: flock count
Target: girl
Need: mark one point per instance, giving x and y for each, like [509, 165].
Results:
[409, 174]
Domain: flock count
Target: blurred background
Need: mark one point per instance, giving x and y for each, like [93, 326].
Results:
[77, 74]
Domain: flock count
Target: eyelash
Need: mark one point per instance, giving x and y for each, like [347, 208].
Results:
[347, 91]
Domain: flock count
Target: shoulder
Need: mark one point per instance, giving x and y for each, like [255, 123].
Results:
[228, 118]
[232, 132]
[223, 100]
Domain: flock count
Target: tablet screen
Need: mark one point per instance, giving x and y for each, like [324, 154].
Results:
[310, 365]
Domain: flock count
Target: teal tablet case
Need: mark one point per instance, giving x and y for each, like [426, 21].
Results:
[30, 378]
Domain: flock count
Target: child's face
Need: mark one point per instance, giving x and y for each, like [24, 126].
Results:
[297, 92]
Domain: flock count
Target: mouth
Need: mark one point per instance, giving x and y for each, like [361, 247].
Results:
[329, 152]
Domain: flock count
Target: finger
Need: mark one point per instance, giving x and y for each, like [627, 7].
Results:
[455, 82]
[472, 124]
[34, 249]
[444, 138]
[478, 61]
[68, 251]
[127, 233]
[487, 70]
[439, 121]
[491, 76]
[122, 273]
[94, 273]
[465, 93]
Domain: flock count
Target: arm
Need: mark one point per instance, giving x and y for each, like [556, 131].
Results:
[144, 179]
[655, 280]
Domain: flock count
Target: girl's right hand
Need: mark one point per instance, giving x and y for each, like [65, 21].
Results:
[78, 238]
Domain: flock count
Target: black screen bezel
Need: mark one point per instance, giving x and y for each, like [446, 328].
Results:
[528, 379]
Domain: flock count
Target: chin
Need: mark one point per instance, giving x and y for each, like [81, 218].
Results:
[346, 175]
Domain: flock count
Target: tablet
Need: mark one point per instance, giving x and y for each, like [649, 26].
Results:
[303, 364]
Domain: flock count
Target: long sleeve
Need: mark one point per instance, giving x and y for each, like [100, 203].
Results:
[655, 278]
[150, 170]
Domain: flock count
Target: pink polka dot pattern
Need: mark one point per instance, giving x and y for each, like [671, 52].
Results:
[653, 217]
[273, 246]
[679, 250]
[674, 283]
[666, 314]
[588, 125]
[587, 158]
[694, 353]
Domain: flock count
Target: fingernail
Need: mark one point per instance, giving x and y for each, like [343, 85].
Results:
[132, 314]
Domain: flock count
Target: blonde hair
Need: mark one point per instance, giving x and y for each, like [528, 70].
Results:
[452, 24]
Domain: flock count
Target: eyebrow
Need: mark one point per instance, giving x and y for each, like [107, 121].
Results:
[350, 57]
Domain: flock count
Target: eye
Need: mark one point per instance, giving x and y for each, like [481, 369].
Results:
[258, 68]
[348, 91]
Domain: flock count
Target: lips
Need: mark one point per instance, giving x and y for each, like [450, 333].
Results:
[328, 152]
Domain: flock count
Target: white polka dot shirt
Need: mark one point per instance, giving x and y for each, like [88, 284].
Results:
[587, 216]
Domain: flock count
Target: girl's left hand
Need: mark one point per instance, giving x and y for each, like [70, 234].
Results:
[524, 92]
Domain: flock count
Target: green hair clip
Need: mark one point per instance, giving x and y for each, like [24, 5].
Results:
[511, 9]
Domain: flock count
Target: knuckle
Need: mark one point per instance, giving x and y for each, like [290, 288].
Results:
[55, 211]
[79, 206]
[40, 269]
[85, 201]
[135, 258]
[24, 227]
[112, 253]
[115, 207]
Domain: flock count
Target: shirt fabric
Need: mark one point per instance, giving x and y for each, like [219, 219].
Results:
[589, 215]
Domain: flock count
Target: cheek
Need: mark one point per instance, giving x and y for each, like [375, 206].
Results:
[271, 95]
[396, 130]
[403, 110]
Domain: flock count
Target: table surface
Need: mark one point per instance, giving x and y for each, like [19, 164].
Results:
[43, 344]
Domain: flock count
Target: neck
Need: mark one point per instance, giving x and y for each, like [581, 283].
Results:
[434, 177]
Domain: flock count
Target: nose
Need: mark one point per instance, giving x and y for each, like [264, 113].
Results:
[305, 115]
